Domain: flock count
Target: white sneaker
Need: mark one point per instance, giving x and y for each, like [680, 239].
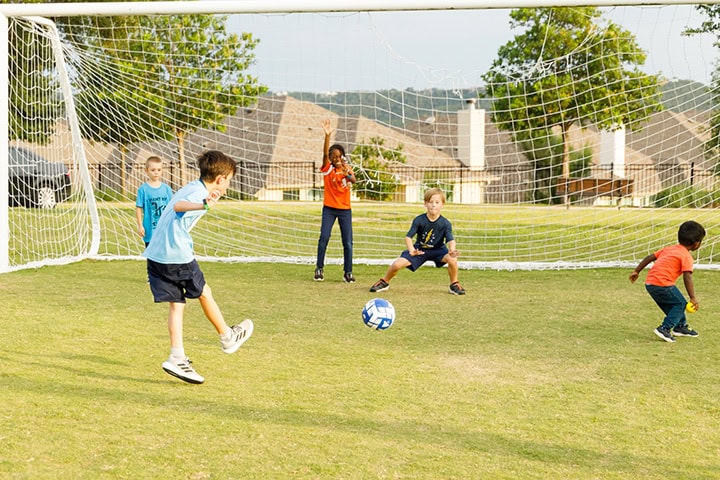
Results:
[183, 370]
[239, 334]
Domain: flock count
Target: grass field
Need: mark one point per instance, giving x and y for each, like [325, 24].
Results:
[531, 375]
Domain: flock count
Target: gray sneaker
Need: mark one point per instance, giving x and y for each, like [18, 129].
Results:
[239, 334]
[183, 370]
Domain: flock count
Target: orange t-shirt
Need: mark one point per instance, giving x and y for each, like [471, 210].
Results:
[670, 263]
[337, 188]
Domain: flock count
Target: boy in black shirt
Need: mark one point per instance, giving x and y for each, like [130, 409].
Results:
[435, 242]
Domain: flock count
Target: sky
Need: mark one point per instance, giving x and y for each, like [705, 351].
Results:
[443, 49]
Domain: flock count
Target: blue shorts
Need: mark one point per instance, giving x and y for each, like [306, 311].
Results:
[175, 282]
[435, 255]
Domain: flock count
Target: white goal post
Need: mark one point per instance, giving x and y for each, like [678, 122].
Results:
[103, 86]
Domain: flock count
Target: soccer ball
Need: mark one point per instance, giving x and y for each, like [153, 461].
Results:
[378, 314]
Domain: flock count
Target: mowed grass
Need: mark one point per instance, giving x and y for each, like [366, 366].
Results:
[531, 375]
[485, 233]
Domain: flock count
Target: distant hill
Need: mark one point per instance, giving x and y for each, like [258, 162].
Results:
[395, 107]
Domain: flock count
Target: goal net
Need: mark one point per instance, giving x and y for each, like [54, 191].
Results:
[561, 137]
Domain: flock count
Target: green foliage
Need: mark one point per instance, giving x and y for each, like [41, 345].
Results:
[233, 194]
[567, 68]
[151, 99]
[711, 25]
[580, 162]
[34, 106]
[685, 196]
[375, 180]
[439, 179]
[546, 152]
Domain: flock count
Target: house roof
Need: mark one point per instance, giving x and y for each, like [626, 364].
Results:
[282, 129]
[441, 132]
[672, 138]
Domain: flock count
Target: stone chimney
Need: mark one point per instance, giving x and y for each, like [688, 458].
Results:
[471, 136]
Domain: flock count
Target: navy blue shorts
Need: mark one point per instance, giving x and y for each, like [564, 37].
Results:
[175, 282]
[435, 255]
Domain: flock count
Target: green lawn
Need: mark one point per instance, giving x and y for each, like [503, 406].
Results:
[531, 375]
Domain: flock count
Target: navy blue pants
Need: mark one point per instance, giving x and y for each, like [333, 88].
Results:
[671, 302]
[344, 218]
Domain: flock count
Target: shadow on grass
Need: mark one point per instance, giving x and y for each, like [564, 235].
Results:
[413, 432]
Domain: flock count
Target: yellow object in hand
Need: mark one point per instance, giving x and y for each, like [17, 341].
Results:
[690, 308]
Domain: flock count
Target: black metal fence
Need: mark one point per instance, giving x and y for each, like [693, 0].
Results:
[500, 185]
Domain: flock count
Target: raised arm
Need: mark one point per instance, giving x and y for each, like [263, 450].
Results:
[328, 129]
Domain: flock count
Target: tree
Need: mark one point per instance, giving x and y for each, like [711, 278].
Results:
[163, 76]
[545, 151]
[566, 69]
[375, 181]
[712, 25]
[34, 105]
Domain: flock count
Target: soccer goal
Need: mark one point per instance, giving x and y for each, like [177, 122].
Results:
[564, 137]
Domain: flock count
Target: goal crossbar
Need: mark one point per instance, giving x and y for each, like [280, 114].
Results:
[300, 6]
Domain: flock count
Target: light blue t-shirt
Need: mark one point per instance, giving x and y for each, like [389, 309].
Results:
[171, 242]
[153, 201]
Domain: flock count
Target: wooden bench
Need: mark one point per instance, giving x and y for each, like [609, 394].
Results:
[594, 187]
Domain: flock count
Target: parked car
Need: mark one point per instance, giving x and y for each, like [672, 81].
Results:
[35, 181]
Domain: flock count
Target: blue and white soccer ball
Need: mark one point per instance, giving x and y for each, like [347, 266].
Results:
[378, 314]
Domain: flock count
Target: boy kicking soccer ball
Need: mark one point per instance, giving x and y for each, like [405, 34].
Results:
[432, 230]
[173, 272]
[670, 263]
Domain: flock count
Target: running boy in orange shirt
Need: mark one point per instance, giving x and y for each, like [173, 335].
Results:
[670, 263]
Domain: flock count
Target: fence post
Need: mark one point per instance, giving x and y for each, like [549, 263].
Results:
[692, 173]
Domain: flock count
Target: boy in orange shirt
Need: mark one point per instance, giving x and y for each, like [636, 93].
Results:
[670, 263]
[337, 178]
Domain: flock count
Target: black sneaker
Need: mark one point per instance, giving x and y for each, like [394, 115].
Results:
[348, 277]
[684, 331]
[665, 334]
[319, 275]
[456, 289]
[380, 286]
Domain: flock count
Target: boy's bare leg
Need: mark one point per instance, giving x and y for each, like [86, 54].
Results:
[452, 268]
[175, 324]
[394, 268]
[212, 310]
